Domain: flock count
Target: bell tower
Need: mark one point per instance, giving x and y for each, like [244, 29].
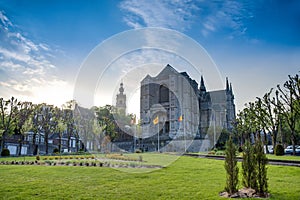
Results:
[121, 100]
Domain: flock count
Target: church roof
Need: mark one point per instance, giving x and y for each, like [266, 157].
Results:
[218, 96]
[167, 71]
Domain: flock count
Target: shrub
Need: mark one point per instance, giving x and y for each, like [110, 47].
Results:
[138, 151]
[37, 157]
[279, 150]
[56, 151]
[249, 166]
[261, 162]
[5, 152]
[231, 167]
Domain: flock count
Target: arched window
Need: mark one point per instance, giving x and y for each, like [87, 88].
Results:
[163, 94]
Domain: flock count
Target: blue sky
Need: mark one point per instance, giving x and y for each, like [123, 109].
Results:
[43, 43]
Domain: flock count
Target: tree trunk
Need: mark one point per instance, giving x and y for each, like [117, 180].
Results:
[274, 139]
[294, 142]
[46, 141]
[20, 145]
[3, 141]
[69, 139]
[33, 144]
[266, 141]
[59, 142]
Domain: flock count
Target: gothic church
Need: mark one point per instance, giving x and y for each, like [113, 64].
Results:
[175, 107]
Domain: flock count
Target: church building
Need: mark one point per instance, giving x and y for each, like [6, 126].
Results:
[174, 106]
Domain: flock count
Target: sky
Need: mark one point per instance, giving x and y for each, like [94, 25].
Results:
[45, 45]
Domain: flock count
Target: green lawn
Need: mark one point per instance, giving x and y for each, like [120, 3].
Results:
[186, 178]
[285, 157]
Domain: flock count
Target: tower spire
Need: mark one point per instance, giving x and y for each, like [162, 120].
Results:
[202, 86]
[121, 89]
[227, 84]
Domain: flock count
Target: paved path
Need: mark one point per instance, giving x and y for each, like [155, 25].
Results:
[271, 161]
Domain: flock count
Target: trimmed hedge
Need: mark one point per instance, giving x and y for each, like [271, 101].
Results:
[279, 150]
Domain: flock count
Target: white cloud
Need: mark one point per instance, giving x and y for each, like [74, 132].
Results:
[5, 21]
[211, 16]
[26, 70]
[157, 13]
[225, 15]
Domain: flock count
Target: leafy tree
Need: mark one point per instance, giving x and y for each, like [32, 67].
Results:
[35, 127]
[98, 132]
[23, 121]
[46, 121]
[8, 115]
[84, 119]
[59, 126]
[231, 167]
[107, 123]
[224, 136]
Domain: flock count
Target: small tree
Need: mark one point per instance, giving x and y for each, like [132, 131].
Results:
[261, 161]
[231, 167]
[248, 166]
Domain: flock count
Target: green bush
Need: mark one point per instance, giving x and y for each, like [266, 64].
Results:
[249, 166]
[279, 150]
[138, 151]
[56, 151]
[231, 167]
[5, 152]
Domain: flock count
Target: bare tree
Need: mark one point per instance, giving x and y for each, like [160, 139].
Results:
[289, 106]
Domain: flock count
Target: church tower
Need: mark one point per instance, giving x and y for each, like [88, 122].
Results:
[121, 100]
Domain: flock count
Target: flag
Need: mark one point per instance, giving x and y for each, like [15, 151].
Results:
[180, 118]
[155, 121]
[133, 120]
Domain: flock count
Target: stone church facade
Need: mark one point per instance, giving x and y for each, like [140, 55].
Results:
[177, 108]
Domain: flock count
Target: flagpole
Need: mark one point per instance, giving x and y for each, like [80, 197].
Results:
[184, 131]
[214, 127]
[158, 137]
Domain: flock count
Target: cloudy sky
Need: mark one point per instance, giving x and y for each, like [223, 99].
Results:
[43, 44]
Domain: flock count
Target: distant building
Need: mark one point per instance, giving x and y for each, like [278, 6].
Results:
[121, 100]
[184, 110]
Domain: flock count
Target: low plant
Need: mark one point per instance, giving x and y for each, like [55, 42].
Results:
[56, 151]
[138, 151]
[5, 152]
[279, 150]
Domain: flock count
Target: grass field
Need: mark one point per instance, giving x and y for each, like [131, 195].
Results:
[186, 178]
